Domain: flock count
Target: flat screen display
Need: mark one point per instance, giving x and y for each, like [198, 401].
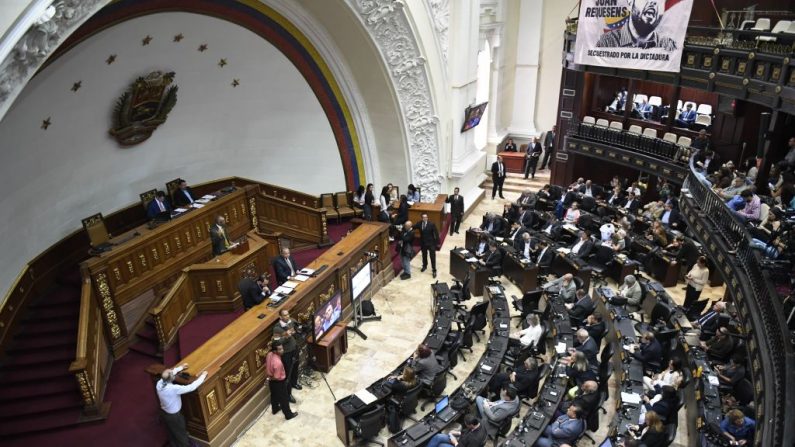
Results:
[360, 281]
[327, 315]
[472, 116]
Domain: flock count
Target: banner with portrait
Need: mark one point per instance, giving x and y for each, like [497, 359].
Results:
[636, 34]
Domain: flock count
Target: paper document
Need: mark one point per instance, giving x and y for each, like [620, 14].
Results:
[472, 259]
[564, 250]
[275, 298]
[713, 380]
[306, 271]
[301, 278]
[366, 396]
[198, 205]
[208, 197]
[485, 367]
[180, 210]
[560, 348]
[570, 227]
[629, 348]
[499, 239]
[503, 326]
[283, 290]
[463, 251]
[290, 284]
[630, 398]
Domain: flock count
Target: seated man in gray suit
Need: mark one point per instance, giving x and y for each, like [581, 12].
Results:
[493, 413]
[564, 430]
[563, 286]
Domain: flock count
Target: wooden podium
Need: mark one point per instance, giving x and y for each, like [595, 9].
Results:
[328, 351]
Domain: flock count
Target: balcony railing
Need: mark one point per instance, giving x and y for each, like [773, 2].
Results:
[652, 155]
[772, 361]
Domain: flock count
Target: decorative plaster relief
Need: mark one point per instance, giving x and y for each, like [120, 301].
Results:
[388, 25]
[39, 41]
[440, 14]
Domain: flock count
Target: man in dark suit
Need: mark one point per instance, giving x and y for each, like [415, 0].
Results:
[670, 217]
[526, 217]
[522, 378]
[492, 224]
[493, 259]
[632, 204]
[581, 309]
[709, 322]
[456, 202]
[545, 255]
[531, 158]
[158, 206]
[524, 245]
[285, 266]
[591, 190]
[587, 398]
[219, 236]
[596, 327]
[552, 228]
[582, 248]
[183, 196]
[497, 177]
[510, 146]
[549, 146]
[650, 352]
[686, 117]
[429, 240]
[252, 289]
[587, 346]
[516, 235]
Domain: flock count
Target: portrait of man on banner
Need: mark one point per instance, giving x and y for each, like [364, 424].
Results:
[640, 31]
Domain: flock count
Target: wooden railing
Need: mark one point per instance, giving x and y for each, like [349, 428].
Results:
[93, 356]
[293, 220]
[173, 311]
[770, 345]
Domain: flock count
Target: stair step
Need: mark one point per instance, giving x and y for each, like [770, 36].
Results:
[26, 359]
[48, 341]
[43, 327]
[40, 422]
[147, 348]
[39, 405]
[9, 392]
[36, 373]
[70, 277]
[59, 295]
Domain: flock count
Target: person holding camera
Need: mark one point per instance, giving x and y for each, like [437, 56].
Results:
[284, 331]
[473, 435]
[169, 394]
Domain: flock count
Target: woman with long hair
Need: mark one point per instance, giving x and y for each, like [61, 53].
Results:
[369, 199]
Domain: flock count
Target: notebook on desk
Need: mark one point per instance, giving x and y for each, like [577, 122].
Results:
[417, 431]
[443, 409]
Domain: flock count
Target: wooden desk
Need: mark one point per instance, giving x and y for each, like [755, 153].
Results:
[663, 268]
[209, 287]
[524, 275]
[621, 268]
[563, 264]
[514, 162]
[154, 258]
[435, 211]
[328, 351]
[459, 268]
[235, 392]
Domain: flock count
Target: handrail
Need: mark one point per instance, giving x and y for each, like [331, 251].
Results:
[768, 329]
[167, 330]
[653, 147]
[289, 229]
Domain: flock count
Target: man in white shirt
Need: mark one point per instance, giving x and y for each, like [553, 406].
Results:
[607, 230]
[169, 394]
[530, 335]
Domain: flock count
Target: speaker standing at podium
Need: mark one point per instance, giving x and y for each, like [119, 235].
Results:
[220, 236]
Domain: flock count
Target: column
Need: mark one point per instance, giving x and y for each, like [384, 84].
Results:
[526, 70]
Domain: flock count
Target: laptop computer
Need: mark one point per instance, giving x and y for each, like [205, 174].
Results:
[443, 409]
[417, 431]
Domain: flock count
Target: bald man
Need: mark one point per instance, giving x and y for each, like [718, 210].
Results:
[169, 394]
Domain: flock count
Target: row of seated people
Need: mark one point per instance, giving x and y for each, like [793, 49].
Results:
[768, 217]
[652, 108]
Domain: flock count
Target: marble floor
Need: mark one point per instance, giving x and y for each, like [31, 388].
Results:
[406, 310]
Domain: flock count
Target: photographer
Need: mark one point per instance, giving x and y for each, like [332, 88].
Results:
[284, 331]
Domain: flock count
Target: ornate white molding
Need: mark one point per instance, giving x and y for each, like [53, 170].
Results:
[44, 34]
[440, 16]
[388, 25]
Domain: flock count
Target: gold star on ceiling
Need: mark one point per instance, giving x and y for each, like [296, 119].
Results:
[222, 62]
[202, 48]
[178, 37]
[235, 82]
[146, 40]
[76, 86]
[46, 123]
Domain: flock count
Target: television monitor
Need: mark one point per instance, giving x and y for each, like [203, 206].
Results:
[360, 281]
[472, 116]
[327, 316]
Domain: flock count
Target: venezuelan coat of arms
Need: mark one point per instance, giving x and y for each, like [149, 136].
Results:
[143, 107]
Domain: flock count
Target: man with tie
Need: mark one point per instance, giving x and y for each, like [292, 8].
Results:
[285, 266]
[157, 206]
[531, 159]
[183, 196]
[493, 259]
[632, 204]
[429, 240]
[220, 236]
[545, 256]
[510, 146]
[456, 202]
[583, 246]
[497, 177]
[492, 224]
[526, 217]
[549, 147]
[686, 117]
[579, 310]
[524, 244]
